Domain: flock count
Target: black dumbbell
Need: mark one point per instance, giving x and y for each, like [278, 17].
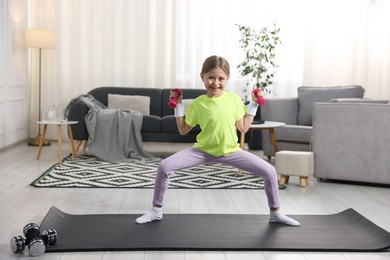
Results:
[49, 236]
[36, 243]
[17, 244]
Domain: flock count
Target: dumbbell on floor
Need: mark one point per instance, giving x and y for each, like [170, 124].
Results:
[49, 236]
[36, 245]
[36, 242]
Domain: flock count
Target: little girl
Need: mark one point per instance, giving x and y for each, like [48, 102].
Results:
[219, 114]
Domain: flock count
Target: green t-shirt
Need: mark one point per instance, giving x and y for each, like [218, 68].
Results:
[216, 118]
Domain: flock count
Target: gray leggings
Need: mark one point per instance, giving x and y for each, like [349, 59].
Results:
[241, 159]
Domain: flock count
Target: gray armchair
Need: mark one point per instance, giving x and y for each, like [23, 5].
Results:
[351, 141]
[297, 112]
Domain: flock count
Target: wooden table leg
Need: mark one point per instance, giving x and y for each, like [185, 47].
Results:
[273, 139]
[242, 140]
[59, 143]
[78, 144]
[41, 141]
[71, 141]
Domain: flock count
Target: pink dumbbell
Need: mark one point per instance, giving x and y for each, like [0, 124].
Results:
[260, 98]
[173, 102]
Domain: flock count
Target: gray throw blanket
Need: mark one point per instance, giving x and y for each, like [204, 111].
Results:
[114, 134]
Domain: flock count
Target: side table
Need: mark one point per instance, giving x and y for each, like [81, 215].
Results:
[59, 124]
[267, 125]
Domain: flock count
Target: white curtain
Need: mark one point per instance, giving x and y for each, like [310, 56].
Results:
[206, 28]
[154, 43]
[126, 43]
[325, 43]
[348, 42]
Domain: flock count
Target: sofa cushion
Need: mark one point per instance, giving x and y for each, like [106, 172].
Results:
[308, 95]
[151, 124]
[101, 94]
[129, 102]
[168, 125]
[294, 133]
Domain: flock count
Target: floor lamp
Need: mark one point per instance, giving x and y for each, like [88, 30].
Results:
[40, 39]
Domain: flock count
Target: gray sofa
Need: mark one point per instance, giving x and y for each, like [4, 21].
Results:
[351, 141]
[157, 126]
[296, 112]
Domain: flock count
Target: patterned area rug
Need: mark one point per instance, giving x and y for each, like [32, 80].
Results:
[91, 172]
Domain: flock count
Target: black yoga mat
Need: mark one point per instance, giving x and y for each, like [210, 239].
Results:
[344, 231]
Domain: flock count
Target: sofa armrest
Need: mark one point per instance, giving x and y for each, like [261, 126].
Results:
[281, 109]
[360, 101]
[77, 112]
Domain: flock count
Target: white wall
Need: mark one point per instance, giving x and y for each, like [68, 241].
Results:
[13, 72]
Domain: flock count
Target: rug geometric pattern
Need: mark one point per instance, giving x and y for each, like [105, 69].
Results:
[91, 172]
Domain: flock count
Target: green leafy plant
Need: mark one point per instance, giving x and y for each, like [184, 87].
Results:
[259, 63]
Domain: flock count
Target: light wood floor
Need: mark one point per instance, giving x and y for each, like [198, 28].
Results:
[21, 204]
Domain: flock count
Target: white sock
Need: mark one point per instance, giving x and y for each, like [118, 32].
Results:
[278, 217]
[154, 214]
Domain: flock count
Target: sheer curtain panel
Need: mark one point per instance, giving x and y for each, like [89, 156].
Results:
[154, 43]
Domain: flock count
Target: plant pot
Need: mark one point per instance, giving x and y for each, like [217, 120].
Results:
[257, 119]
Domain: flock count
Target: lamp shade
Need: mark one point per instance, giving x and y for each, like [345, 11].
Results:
[40, 38]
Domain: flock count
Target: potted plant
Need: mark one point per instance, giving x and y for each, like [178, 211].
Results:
[258, 65]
